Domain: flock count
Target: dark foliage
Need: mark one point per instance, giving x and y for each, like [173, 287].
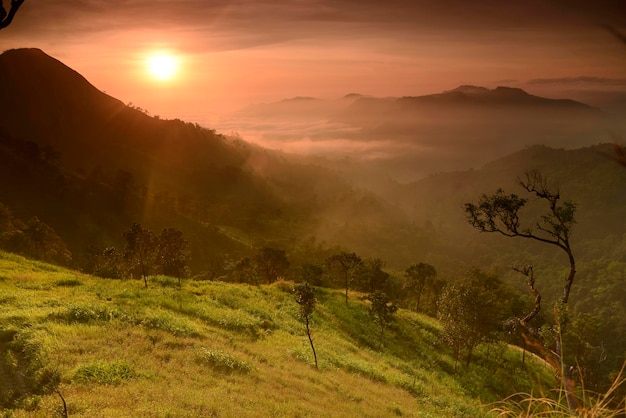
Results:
[271, 263]
[472, 310]
[382, 310]
[344, 264]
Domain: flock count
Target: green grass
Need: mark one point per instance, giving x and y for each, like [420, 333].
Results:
[230, 350]
[102, 373]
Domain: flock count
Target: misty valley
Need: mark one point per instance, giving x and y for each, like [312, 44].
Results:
[442, 253]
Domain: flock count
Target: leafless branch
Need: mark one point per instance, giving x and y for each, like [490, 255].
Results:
[7, 18]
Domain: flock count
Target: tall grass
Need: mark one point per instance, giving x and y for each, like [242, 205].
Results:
[593, 405]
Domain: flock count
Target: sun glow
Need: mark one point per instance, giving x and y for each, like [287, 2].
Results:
[162, 66]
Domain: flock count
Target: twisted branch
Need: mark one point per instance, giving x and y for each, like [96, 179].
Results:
[7, 18]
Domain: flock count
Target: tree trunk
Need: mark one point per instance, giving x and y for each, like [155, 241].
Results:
[469, 356]
[346, 288]
[308, 333]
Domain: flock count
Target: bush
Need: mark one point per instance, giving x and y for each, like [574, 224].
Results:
[68, 283]
[222, 362]
[86, 314]
[104, 373]
[24, 372]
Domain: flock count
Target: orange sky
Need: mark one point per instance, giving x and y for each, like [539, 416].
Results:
[243, 51]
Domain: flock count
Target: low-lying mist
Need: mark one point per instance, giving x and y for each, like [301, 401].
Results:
[376, 140]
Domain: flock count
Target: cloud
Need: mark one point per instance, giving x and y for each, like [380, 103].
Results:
[235, 24]
[580, 80]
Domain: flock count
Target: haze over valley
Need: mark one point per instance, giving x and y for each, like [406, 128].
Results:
[256, 208]
[405, 139]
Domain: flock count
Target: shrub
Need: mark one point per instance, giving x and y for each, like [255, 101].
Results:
[104, 373]
[169, 324]
[86, 314]
[68, 283]
[24, 374]
[222, 362]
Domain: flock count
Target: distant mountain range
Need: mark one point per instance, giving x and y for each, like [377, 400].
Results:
[407, 138]
[353, 107]
[478, 102]
[89, 165]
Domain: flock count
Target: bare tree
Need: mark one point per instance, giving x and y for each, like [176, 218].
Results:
[7, 18]
[501, 213]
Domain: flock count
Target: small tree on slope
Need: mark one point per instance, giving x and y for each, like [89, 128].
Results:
[382, 310]
[305, 297]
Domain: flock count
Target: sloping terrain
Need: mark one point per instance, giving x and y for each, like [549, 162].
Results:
[115, 349]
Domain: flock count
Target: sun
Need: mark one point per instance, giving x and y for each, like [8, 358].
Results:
[162, 66]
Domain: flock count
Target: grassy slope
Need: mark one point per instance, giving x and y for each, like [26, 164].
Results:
[216, 349]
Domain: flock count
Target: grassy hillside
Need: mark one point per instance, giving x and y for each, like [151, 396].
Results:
[226, 350]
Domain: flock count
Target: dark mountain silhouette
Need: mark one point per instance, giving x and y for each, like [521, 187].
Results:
[90, 166]
[49, 103]
[500, 96]
[462, 102]
[107, 165]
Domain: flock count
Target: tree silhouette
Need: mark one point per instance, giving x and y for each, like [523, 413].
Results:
[382, 310]
[140, 249]
[305, 297]
[344, 263]
[371, 277]
[271, 263]
[7, 18]
[418, 276]
[501, 213]
[172, 253]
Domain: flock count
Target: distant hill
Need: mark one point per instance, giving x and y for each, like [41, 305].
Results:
[466, 98]
[376, 139]
[90, 166]
[588, 176]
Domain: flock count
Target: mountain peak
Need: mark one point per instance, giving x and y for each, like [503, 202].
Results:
[24, 52]
[34, 72]
[509, 91]
[31, 57]
[469, 89]
[299, 99]
[353, 96]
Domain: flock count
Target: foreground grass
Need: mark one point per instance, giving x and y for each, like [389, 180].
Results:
[225, 350]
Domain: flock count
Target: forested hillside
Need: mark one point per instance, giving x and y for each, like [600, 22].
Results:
[97, 166]
[103, 187]
[589, 177]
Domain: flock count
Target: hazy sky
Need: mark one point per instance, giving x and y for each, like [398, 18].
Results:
[241, 51]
